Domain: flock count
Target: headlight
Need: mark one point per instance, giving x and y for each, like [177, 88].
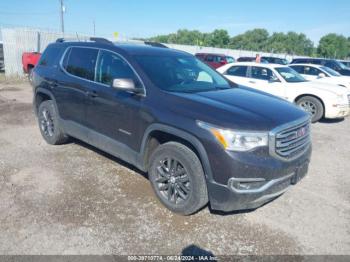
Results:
[236, 140]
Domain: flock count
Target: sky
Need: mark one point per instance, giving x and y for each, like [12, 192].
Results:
[145, 18]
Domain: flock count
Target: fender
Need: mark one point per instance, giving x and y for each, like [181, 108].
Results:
[46, 92]
[183, 135]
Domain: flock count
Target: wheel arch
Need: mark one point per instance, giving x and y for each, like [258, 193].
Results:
[157, 134]
[42, 95]
[312, 95]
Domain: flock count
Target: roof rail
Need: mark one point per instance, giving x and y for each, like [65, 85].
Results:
[155, 44]
[93, 39]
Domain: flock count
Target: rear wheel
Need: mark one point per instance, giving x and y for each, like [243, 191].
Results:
[177, 177]
[49, 124]
[313, 106]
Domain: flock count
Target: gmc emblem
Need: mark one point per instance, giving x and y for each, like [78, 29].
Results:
[301, 132]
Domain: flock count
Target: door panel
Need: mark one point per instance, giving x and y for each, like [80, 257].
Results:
[112, 112]
[75, 78]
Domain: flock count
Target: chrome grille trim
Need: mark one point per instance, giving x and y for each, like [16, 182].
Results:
[286, 144]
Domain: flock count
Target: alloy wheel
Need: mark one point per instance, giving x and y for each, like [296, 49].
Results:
[309, 107]
[46, 123]
[173, 181]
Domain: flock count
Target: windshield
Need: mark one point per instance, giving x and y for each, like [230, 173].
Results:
[290, 75]
[181, 74]
[342, 66]
[330, 71]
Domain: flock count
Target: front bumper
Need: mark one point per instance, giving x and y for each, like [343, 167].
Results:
[225, 197]
[338, 111]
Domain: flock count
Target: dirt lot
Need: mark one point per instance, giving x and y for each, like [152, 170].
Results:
[73, 199]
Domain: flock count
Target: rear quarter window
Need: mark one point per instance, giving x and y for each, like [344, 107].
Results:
[81, 62]
[50, 56]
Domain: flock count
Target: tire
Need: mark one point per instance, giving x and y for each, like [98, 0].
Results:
[313, 106]
[183, 190]
[49, 124]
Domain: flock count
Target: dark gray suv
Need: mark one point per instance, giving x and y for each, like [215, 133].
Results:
[201, 138]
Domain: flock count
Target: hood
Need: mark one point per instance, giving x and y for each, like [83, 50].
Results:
[333, 88]
[237, 108]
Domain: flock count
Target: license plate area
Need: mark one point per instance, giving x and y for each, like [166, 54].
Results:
[299, 173]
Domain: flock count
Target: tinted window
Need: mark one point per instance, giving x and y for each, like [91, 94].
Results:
[209, 58]
[311, 71]
[111, 66]
[50, 56]
[299, 69]
[81, 62]
[261, 73]
[181, 73]
[237, 71]
[218, 59]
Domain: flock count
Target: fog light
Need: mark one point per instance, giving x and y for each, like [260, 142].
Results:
[246, 184]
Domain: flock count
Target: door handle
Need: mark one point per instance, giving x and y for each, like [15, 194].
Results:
[92, 94]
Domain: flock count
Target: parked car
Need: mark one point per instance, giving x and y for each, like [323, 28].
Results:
[345, 62]
[2, 65]
[320, 100]
[215, 60]
[275, 60]
[331, 63]
[321, 74]
[199, 136]
[29, 61]
[250, 59]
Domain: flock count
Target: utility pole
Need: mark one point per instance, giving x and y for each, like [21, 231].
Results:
[61, 15]
[93, 21]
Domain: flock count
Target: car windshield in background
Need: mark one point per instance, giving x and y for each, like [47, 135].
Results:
[330, 71]
[290, 75]
[230, 59]
[181, 74]
[341, 65]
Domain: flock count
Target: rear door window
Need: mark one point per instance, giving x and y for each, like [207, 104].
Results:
[81, 62]
[299, 69]
[237, 71]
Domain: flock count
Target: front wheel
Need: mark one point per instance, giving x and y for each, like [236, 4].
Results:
[177, 177]
[313, 106]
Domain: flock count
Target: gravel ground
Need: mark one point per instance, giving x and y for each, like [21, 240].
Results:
[74, 199]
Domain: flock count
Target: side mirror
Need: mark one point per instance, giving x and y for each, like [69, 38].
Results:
[126, 84]
[321, 75]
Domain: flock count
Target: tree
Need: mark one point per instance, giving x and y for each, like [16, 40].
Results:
[333, 46]
[251, 40]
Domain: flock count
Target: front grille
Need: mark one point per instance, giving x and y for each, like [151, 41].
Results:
[291, 141]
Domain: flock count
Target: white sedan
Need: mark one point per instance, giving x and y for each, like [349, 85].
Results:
[320, 73]
[319, 99]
